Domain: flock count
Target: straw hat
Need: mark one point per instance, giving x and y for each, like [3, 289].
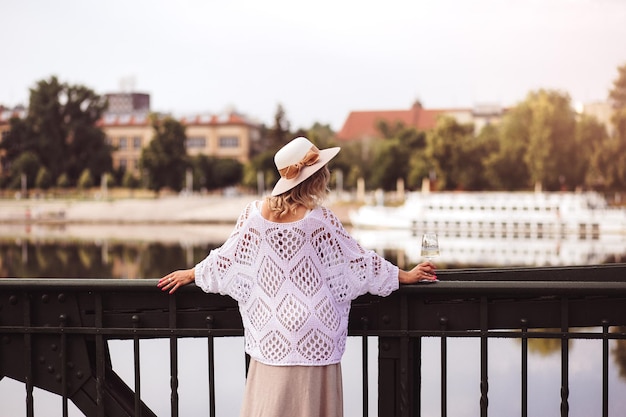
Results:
[297, 161]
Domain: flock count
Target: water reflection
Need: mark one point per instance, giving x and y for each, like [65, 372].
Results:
[140, 251]
[490, 250]
[28, 259]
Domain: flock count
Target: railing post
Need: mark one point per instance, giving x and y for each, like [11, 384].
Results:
[137, 365]
[62, 324]
[173, 356]
[404, 357]
[364, 357]
[417, 376]
[605, 368]
[28, 353]
[564, 357]
[443, 322]
[389, 365]
[100, 364]
[524, 336]
[211, 363]
[484, 368]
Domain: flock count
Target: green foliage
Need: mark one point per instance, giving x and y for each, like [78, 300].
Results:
[612, 159]
[27, 164]
[618, 92]
[63, 181]
[390, 163]
[592, 140]
[446, 143]
[278, 135]
[130, 180]
[164, 160]
[551, 140]
[44, 179]
[86, 180]
[109, 179]
[213, 173]
[60, 129]
[354, 161]
[263, 163]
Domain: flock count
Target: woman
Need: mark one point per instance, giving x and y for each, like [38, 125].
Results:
[294, 270]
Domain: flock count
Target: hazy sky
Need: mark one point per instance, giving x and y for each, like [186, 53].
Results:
[319, 59]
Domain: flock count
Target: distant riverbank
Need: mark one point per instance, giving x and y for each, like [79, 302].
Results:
[171, 209]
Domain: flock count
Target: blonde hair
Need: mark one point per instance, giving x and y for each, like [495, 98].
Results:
[310, 193]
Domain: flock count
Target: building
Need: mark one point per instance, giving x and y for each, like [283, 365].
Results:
[229, 135]
[363, 125]
[128, 103]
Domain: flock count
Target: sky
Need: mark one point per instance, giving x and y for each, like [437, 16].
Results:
[319, 59]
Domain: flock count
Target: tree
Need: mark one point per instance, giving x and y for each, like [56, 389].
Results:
[505, 166]
[44, 179]
[27, 164]
[227, 172]
[444, 148]
[63, 181]
[608, 164]
[537, 145]
[262, 163]
[592, 140]
[164, 160]
[618, 93]
[278, 135]
[60, 129]
[130, 180]
[86, 180]
[213, 173]
[551, 140]
[390, 164]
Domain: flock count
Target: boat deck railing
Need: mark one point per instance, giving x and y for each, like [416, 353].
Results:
[55, 333]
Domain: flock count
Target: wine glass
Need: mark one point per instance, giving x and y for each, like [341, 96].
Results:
[430, 246]
[430, 250]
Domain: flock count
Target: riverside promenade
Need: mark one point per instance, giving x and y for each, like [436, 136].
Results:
[184, 220]
[162, 210]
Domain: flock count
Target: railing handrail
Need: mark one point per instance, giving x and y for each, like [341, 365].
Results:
[478, 303]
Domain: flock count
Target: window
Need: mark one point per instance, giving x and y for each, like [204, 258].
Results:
[196, 142]
[123, 164]
[229, 142]
[137, 142]
[122, 143]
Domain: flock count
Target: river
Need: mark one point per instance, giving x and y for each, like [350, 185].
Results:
[138, 252]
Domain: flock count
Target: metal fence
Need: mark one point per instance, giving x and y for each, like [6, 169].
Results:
[54, 333]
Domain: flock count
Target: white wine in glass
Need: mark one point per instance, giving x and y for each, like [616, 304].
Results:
[430, 246]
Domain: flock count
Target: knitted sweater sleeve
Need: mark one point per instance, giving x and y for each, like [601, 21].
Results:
[363, 271]
[211, 273]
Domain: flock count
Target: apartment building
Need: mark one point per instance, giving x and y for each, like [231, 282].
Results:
[128, 130]
[229, 135]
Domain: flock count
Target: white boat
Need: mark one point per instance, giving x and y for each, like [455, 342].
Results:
[457, 249]
[497, 214]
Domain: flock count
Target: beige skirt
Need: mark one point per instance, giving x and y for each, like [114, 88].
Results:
[298, 391]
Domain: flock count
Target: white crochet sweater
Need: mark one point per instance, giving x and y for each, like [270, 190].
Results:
[294, 283]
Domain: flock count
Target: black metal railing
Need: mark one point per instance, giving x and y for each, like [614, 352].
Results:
[54, 333]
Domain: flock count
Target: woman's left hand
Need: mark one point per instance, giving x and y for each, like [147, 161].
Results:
[424, 272]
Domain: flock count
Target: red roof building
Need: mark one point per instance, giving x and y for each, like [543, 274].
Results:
[362, 125]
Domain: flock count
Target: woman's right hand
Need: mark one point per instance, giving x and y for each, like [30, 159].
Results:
[177, 279]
